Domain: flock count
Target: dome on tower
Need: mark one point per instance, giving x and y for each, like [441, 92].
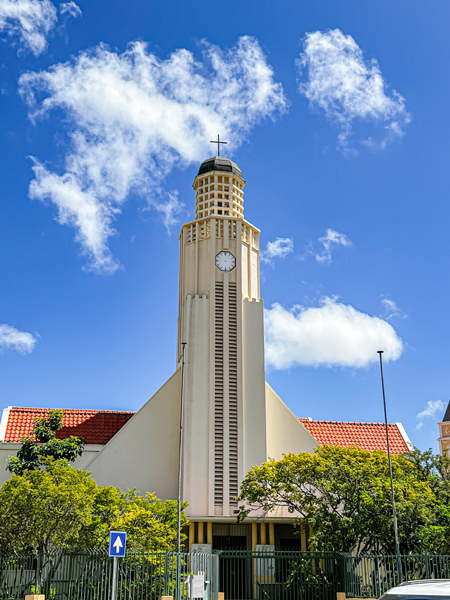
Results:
[220, 163]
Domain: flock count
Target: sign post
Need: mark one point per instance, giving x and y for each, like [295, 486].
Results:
[117, 546]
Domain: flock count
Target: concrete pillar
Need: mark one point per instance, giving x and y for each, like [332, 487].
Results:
[254, 535]
[303, 535]
[209, 533]
[191, 534]
[263, 534]
[272, 534]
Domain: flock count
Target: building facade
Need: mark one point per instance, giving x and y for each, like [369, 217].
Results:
[232, 419]
[444, 434]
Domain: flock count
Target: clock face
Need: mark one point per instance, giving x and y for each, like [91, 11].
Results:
[225, 261]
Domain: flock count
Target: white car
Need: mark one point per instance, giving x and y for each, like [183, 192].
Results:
[426, 589]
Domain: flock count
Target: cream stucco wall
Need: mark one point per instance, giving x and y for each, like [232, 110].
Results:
[8, 449]
[254, 417]
[284, 432]
[197, 414]
[144, 453]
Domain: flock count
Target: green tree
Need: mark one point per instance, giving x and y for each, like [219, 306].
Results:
[435, 470]
[150, 523]
[343, 495]
[43, 444]
[59, 508]
[46, 510]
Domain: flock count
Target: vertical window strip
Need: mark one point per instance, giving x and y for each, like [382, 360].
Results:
[218, 398]
[233, 395]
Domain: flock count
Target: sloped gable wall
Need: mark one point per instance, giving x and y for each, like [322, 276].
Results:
[144, 453]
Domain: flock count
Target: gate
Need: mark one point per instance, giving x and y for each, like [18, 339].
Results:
[279, 575]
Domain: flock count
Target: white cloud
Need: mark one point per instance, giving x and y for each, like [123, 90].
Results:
[169, 209]
[391, 309]
[333, 334]
[432, 409]
[330, 238]
[348, 88]
[134, 117]
[70, 8]
[29, 20]
[279, 248]
[10, 337]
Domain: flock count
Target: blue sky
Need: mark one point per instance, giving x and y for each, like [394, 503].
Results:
[336, 113]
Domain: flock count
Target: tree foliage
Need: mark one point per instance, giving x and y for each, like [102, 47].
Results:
[435, 470]
[59, 508]
[150, 523]
[344, 496]
[43, 444]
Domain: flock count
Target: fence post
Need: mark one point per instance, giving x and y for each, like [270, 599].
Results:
[178, 577]
[401, 569]
[427, 565]
[343, 582]
[216, 570]
[37, 578]
[166, 574]
[377, 576]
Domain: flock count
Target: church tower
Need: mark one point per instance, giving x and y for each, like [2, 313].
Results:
[232, 419]
[220, 320]
[444, 434]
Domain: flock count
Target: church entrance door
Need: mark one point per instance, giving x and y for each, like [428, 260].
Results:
[235, 567]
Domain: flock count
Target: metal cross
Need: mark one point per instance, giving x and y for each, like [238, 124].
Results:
[218, 142]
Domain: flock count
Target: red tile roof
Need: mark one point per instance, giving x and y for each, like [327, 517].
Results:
[95, 426]
[369, 436]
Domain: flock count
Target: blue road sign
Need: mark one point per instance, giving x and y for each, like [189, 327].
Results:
[117, 543]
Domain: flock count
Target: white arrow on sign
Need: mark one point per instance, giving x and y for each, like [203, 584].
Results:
[118, 544]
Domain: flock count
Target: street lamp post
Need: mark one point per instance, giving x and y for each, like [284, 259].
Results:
[180, 478]
[180, 451]
[394, 511]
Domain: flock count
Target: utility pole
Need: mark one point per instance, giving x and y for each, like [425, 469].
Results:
[394, 511]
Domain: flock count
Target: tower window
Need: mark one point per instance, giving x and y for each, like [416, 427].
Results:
[219, 212]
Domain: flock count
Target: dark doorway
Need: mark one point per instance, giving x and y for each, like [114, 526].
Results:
[235, 567]
[291, 544]
[230, 542]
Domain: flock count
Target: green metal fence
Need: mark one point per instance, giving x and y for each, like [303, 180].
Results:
[89, 576]
[371, 576]
[241, 575]
[280, 575]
